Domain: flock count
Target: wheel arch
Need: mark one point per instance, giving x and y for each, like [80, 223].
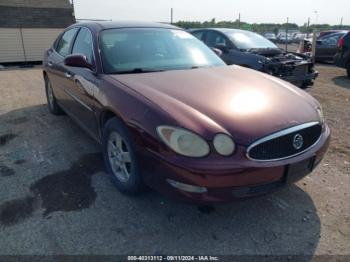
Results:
[105, 115]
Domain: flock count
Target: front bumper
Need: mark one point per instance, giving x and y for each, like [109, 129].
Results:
[301, 78]
[296, 73]
[227, 180]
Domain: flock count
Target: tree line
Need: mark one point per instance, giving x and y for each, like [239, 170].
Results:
[260, 28]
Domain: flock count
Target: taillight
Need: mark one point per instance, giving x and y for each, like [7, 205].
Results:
[341, 42]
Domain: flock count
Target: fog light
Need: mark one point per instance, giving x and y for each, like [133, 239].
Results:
[186, 187]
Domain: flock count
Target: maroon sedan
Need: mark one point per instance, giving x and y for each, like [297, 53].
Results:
[171, 115]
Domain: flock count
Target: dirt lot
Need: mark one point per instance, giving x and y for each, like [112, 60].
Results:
[56, 199]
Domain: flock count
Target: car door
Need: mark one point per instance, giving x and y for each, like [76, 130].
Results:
[218, 40]
[82, 83]
[55, 65]
[327, 47]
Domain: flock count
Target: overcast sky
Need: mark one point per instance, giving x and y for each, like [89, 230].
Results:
[270, 11]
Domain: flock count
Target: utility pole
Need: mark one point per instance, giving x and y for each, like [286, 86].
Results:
[308, 28]
[73, 8]
[316, 16]
[171, 15]
[239, 20]
[341, 22]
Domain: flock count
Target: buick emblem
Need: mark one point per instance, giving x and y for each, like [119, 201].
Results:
[298, 141]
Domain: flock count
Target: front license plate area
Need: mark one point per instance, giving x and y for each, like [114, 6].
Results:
[300, 70]
[298, 170]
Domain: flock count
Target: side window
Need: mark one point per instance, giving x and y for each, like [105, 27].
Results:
[332, 40]
[198, 34]
[83, 44]
[213, 39]
[64, 43]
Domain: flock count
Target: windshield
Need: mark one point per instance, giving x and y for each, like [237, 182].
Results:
[138, 50]
[245, 40]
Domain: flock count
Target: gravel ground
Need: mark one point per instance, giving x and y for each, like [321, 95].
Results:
[56, 199]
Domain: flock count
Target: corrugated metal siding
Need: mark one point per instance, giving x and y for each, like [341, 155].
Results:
[35, 41]
[10, 45]
[37, 3]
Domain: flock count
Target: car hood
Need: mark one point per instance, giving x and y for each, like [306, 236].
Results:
[245, 103]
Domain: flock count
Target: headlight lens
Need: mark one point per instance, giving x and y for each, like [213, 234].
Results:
[224, 144]
[183, 142]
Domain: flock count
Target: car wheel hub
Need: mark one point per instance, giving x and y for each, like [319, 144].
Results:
[119, 157]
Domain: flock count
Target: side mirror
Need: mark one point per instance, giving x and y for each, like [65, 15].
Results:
[319, 42]
[77, 60]
[223, 48]
[218, 52]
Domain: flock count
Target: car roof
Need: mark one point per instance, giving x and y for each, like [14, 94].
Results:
[222, 30]
[102, 25]
[334, 34]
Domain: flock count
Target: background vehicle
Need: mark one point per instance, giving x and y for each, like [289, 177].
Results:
[271, 37]
[342, 57]
[326, 46]
[284, 38]
[297, 37]
[251, 50]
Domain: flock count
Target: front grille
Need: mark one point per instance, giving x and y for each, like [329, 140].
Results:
[282, 145]
[301, 70]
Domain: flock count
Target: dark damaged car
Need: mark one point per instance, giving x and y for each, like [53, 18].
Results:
[252, 50]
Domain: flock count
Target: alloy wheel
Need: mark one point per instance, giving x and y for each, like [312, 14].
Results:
[119, 157]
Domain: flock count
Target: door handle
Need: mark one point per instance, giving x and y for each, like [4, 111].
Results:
[68, 75]
[50, 63]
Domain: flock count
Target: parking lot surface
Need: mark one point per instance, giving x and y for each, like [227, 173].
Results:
[55, 197]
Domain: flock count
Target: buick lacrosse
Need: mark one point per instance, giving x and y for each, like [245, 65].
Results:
[171, 115]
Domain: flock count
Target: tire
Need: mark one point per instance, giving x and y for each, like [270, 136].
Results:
[306, 84]
[120, 158]
[54, 108]
[348, 69]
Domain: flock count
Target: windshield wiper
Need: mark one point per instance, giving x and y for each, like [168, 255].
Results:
[262, 49]
[197, 67]
[138, 70]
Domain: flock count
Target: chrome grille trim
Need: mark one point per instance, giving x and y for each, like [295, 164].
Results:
[279, 134]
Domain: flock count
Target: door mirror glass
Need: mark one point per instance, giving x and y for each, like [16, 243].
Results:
[77, 60]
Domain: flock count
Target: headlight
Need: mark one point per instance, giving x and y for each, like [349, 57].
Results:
[183, 142]
[224, 144]
[320, 114]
